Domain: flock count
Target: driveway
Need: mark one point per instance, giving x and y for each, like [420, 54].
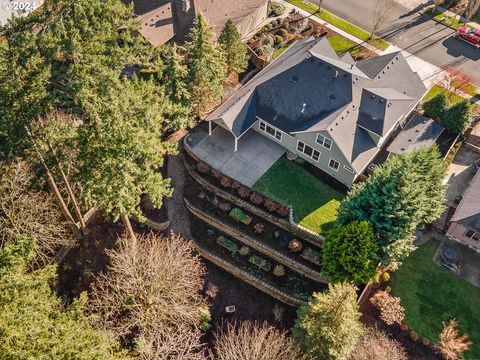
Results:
[256, 153]
[459, 174]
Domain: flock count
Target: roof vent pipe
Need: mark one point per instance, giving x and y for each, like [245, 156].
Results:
[336, 74]
[304, 106]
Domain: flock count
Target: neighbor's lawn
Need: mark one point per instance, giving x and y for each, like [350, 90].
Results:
[281, 50]
[450, 21]
[341, 45]
[454, 98]
[341, 24]
[314, 203]
[431, 294]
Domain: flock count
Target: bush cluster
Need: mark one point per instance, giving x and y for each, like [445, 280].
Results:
[455, 118]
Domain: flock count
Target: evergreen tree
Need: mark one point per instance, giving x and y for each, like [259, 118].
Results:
[457, 117]
[436, 107]
[176, 89]
[120, 147]
[235, 51]
[350, 253]
[329, 325]
[403, 194]
[34, 323]
[206, 66]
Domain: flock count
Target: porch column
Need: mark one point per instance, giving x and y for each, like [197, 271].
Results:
[209, 128]
[236, 144]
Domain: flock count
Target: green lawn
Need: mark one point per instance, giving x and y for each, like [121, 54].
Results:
[341, 45]
[431, 294]
[341, 24]
[454, 98]
[281, 50]
[450, 21]
[314, 203]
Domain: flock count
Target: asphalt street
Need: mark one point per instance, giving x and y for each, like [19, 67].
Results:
[414, 32]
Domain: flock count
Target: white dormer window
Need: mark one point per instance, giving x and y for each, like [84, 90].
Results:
[324, 141]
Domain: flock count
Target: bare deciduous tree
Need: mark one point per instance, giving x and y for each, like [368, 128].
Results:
[376, 345]
[380, 13]
[253, 341]
[151, 293]
[454, 80]
[452, 344]
[391, 311]
[26, 211]
[472, 8]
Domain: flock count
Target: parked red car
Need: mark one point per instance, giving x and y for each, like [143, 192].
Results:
[471, 36]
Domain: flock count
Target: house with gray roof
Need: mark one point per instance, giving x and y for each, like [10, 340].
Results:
[465, 222]
[171, 20]
[327, 109]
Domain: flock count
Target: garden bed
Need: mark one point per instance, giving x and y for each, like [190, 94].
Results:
[278, 35]
[257, 228]
[290, 282]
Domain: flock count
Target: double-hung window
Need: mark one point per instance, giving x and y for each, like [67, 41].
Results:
[308, 150]
[334, 164]
[472, 235]
[277, 134]
[324, 141]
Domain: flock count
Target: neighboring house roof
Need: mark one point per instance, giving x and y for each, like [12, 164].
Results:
[156, 26]
[310, 88]
[170, 20]
[468, 211]
[419, 132]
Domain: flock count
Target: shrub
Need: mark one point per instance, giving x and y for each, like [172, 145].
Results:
[283, 210]
[271, 205]
[388, 289]
[256, 198]
[404, 326]
[237, 214]
[414, 336]
[244, 250]
[452, 344]
[215, 173]
[295, 245]
[258, 229]
[386, 277]
[425, 341]
[202, 167]
[282, 32]
[243, 192]
[436, 106]
[205, 318]
[275, 8]
[235, 185]
[225, 182]
[391, 311]
[376, 278]
[278, 39]
[377, 345]
[279, 270]
[268, 41]
[457, 117]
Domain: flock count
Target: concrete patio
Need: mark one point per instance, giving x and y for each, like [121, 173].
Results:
[255, 155]
[468, 260]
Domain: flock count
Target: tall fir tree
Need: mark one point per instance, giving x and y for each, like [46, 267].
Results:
[175, 75]
[206, 66]
[34, 322]
[235, 51]
[328, 326]
[350, 253]
[403, 194]
[121, 150]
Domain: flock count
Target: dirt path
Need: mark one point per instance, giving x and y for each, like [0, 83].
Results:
[177, 213]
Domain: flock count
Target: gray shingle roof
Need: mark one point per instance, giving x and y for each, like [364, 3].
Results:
[420, 131]
[468, 211]
[309, 88]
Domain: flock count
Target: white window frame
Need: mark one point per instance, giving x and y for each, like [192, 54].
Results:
[322, 143]
[277, 133]
[471, 237]
[349, 169]
[338, 167]
[302, 150]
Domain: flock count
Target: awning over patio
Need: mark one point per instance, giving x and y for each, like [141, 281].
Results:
[254, 156]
